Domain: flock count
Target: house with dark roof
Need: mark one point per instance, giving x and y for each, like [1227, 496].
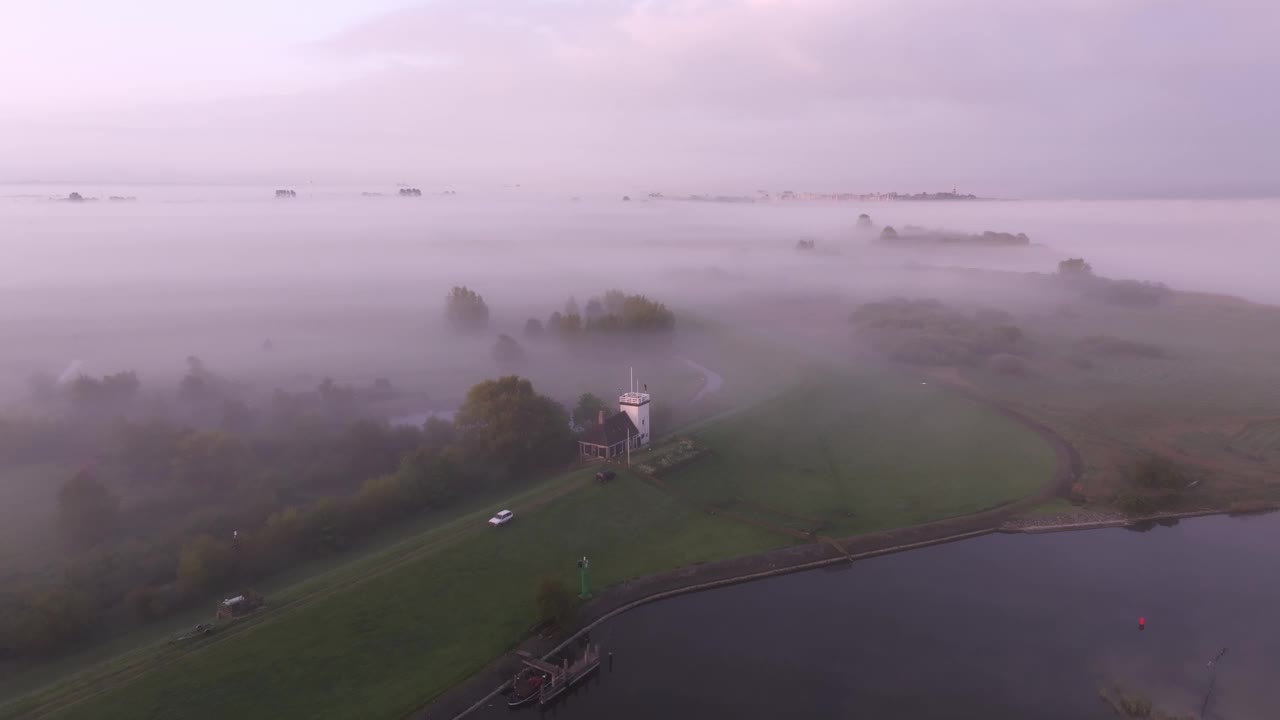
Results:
[609, 436]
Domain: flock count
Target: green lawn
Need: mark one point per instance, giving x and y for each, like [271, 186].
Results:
[385, 646]
[866, 450]
[122, 648]
[383, 633]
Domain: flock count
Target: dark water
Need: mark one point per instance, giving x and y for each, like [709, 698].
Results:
[1002, 626]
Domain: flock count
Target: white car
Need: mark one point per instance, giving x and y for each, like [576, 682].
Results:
[502, 518]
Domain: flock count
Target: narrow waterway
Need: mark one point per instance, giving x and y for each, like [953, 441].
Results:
[1001, 626]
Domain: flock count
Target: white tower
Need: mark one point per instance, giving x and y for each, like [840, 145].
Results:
[636, 406]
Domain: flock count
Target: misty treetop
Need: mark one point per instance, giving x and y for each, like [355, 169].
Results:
[1074, 266]
[111, 392]
[1078, 275]
[614, 313]
[587, 412]
[915, 235]
[508, 354]
[465, 310]
[87, 509]
[533, 329]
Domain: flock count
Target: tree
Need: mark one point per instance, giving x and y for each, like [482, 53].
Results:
[146, 450]
[1074, 266]
[587, 411]
[613, 301]
[595, 308]
[437, 433]
[888, 233]
[556, 603]
[508, 354]
[571, 306]
[87, 510]
[203, 564]
[864, 221]
[209, 461]
[533, 329]
[505, 423]
[336, 401]
[54, 618]
[465, 310]
[570, 326]
[112, 392]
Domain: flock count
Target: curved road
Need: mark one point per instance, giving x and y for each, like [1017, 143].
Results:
[712, 380]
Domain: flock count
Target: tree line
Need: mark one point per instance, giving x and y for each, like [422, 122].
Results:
[171, 514]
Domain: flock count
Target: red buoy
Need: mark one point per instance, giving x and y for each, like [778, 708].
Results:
[1142, 623]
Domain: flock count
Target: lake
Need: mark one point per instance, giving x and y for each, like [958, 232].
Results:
[1001, 626]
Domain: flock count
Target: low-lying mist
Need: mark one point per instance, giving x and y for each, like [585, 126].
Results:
[352, 287]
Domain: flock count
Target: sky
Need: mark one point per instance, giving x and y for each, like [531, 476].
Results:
[1009, 98]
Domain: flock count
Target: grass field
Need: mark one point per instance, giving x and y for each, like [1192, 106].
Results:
[862, 451]
[411, 626]
[298, 582]
[383, 633]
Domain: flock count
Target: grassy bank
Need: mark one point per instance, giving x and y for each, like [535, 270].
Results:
[389, 641]
[382, 634]
[866, 450]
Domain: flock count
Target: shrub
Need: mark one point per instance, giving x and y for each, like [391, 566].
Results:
[1005, 364]
[150, 602]
[1119, 347]
[1154, 472]
[556, 602]
[1075, 266]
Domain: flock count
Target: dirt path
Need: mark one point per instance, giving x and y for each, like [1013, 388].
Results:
[712, 380]
[483, 687]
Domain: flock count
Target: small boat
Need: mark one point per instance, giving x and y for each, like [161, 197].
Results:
[525, 687]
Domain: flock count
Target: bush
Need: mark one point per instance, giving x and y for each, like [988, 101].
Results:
[1133, 503]
[1108, 345]
[204, 564]
[1154, 472]
[1005, 364]
[1075, 266]
[151, 602]
[556, 602]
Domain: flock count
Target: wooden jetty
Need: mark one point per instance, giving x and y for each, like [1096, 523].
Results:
[563, 675]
